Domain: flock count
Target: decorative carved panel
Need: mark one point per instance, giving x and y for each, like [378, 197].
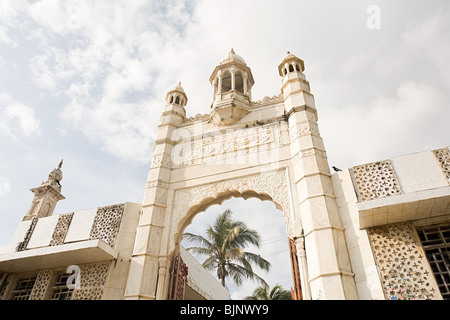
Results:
[268, 185]
[443, 158]
[375, 180]
[59, 234]
[93, 280]
[23, 245]
[106, 223]
[179, 278]
[41, 285]
[223, 148]
[403, 267]
[304, 129]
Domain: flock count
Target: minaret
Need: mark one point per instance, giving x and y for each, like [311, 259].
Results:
[328, 265]
[46, 196]
[145, 260]
[232, 82]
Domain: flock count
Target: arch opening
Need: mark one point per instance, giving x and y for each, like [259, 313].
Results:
[260, 213]
[239, 82]
[226, 82]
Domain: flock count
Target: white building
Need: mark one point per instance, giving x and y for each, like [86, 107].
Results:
[374, 231]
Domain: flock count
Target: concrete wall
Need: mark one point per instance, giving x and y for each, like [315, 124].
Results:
[420, 195]
[201, 280]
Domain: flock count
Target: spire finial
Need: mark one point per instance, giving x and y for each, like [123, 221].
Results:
[232, 51]
[60, 164]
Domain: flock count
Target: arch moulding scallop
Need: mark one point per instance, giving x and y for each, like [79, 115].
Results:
[188, 202]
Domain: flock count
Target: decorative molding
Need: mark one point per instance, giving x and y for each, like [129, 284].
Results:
[304, 129]
[269, 100]
[375, 180]
[443, 158]
[269, 185]
[403, 267]
[23, 245]
[161, 161]
[308, 152]
[59, 234]
[106, 223]
[198, 117]
[222, 148]
[157, 183]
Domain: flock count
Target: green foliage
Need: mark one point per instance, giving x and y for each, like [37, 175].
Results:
[276, 293]
[224, 245]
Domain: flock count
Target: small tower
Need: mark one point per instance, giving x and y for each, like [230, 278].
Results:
[46, 196]
[232, 81]
[146, 251]
[177, 96]
[330, 278]
[295, 87]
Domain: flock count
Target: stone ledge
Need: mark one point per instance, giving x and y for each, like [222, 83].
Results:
[404, 207]
[51, 257]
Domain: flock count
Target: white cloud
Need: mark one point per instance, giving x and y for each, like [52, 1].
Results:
[113, 54]
[429, 40]
[412, 120]
[17, 118]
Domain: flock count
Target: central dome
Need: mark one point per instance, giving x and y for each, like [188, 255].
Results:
[232, 56]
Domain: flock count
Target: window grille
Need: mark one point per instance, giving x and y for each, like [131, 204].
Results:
[3, 283]
[23, 289]
[436, 243]
[60, 289]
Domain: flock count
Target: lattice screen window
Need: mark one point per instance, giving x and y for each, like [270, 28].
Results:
[60, 291]
[404, 272]
[436, 243]
[107, 223]
[23, 289]
[443, 158]
[4, 277]
[375, 180]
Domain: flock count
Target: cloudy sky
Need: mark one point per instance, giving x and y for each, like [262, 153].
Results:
[85, 81]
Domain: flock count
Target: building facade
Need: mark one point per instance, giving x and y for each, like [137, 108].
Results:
[374, 231]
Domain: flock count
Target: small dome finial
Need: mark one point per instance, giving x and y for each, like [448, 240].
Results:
[288, 52]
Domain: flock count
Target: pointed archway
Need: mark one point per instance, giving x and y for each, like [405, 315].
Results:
[268, 221]
[270, 149]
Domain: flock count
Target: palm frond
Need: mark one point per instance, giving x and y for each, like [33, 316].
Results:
[196, 239]
[258, 260]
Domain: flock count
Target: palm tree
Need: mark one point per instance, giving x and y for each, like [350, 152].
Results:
[277, 293]
[224, 247]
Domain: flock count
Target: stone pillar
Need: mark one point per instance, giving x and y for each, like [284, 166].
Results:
[220, 83]
[145, 267]
[245, 79]
[233, 80]
[328, 264]
[303, 269]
